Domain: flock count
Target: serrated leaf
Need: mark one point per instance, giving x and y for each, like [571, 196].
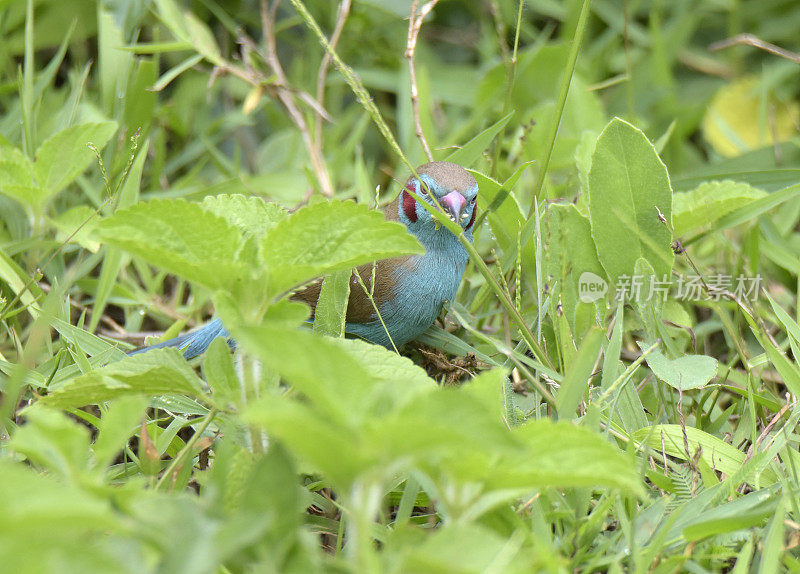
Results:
[331, 311]
[331, 236]
[157, 372]
[182, 238]
[627, 182]
[64, 156]
[252, 215]
[77, 224]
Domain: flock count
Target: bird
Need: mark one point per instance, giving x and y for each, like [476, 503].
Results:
[409, 291]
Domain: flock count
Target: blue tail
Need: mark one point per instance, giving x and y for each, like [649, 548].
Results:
[195, 342]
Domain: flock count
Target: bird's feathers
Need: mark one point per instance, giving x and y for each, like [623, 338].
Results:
[409, 291]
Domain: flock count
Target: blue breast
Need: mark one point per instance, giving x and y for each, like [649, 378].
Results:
[423, 285]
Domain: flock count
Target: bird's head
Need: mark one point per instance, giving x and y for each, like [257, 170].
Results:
[454, 188]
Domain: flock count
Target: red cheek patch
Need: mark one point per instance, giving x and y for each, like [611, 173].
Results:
[410, 204]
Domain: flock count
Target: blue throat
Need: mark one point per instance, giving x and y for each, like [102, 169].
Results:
[423, 285]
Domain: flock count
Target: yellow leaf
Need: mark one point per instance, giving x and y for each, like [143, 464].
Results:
[739, 120]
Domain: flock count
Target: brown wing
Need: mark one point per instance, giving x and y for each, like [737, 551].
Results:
[359, 307]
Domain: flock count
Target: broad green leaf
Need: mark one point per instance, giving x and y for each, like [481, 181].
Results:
[459, 546]
[182, 238]
[156, 372]
[683, 373]
[384, 365]
[16, 176]
[331, 310]
[77, 224]
[331, 236]
[573, 261]
[252, 215]
[564, 455]
[757, 207]
[628, 182]
[50, 439]
[64, 156]
[708, 202]
[335, 382]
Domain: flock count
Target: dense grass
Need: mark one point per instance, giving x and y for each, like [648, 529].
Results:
[614, 388]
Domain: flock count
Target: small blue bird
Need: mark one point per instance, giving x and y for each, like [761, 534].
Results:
[409, 291]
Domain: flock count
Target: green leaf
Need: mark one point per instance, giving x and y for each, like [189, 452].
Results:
[579, 374]
[573, 261]
[684, 373]
[202, 39]
[64, 156]
[77, 224]
[17, 178]
[252, 215]
[52, 440]
[331, 311]
[20, 284]
[504, 213]
[750, 510]
[117, 425]
[474, 148]
[708, 202]
[331, 236]
[182, 238]
[627, 182]
[714, 451]
[220, 374]
[156, 372]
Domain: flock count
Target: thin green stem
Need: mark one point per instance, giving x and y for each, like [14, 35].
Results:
[512, 70]
[560, 103]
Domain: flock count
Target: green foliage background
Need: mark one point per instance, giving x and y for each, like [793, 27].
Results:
[160, 157]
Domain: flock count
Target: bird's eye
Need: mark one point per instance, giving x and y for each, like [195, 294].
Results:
[423, 189]
[473, 199]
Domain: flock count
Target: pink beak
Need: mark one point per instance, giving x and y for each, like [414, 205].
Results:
[454, 203]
